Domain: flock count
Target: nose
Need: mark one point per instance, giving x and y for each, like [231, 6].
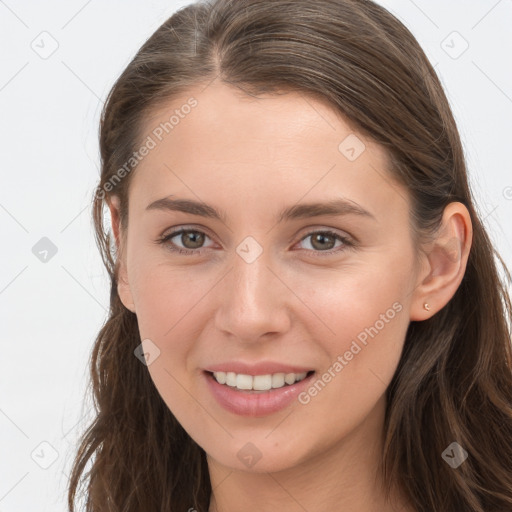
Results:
[253, 301]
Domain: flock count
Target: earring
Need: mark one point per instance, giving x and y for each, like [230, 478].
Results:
[426, 306]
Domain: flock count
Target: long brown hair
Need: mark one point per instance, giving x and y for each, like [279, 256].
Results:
[454, 379]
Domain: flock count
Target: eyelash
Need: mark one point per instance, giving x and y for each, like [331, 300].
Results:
[347, 243]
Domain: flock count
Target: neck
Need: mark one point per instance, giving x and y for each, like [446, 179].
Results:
[345, 476]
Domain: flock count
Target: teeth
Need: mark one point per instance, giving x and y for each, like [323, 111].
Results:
[258, 382]
[261, 382]
[278, 380]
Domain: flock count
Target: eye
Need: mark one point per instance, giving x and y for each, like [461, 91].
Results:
[191, 238]
[324, 240]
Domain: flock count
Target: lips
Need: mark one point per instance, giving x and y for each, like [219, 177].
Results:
[244, 390]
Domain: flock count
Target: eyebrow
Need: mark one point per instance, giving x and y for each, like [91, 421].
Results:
[335, 207]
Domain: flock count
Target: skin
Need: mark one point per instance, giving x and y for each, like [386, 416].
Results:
[251, 158]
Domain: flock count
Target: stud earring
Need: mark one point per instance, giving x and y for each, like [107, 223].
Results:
[426, 306]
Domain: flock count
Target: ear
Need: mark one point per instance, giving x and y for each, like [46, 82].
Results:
[123, 286]
[445, 263]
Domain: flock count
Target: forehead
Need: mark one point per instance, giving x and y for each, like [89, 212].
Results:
[238, 147]
[222, 109]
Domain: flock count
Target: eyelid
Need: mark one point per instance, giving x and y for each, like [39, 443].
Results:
[186, 227]
[320, 227]
[167, 235]
[305, 231]
[348, 241]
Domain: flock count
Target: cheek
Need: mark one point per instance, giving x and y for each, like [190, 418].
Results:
[367, 317]
[171, 313]
[362, 314]
[168, 299]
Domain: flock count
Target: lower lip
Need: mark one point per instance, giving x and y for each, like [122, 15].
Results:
[255, 403]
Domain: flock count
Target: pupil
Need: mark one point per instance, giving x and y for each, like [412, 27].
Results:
[321, 237]
[192, 235]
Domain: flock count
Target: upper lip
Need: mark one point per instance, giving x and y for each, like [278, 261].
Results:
[261, 368]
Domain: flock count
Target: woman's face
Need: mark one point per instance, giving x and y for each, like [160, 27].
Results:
[260, 296]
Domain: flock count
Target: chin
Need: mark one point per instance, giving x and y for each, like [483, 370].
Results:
[265, 456]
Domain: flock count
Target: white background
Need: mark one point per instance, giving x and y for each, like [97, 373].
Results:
[51, 312]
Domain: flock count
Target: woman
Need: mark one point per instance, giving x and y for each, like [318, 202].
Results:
[247, 365]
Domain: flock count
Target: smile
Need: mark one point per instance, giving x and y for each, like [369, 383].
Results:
[258, 382]
[256, 395]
